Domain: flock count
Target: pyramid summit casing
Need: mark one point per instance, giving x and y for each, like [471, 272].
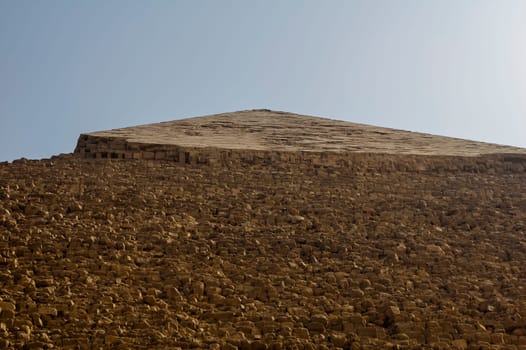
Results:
[264, 135]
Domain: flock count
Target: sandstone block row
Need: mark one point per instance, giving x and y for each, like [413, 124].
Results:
[104, 147]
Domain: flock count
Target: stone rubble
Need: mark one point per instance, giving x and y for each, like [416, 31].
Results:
[410, 253]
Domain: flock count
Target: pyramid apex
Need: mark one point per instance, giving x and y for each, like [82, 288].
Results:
[273, 131]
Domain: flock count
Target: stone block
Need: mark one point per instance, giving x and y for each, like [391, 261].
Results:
[148, 155]
[459, 344]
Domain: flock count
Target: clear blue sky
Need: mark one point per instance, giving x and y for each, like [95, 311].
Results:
[450, 67]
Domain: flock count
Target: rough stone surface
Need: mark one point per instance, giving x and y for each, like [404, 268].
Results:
[264, 136]
[382, 252]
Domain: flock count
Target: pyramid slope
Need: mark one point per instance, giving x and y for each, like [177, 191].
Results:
[177, 256]
[265, 130]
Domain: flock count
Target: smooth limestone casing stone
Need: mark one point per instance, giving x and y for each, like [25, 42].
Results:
[270, 137]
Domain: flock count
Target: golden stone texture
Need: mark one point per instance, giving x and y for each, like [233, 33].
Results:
[284, 249]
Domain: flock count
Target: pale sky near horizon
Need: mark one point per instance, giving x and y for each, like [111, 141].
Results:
[447, 67]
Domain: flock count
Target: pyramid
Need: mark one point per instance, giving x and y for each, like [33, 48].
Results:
[265, 134]
[410, 241]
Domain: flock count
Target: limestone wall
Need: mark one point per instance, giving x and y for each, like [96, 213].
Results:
[97, 147]
[102, 254]
[124, 254]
